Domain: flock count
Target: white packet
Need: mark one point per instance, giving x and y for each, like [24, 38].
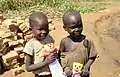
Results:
[56, 69]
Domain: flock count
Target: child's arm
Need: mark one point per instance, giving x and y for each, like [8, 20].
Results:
[33, 67]
[67, 70]
[92, 57]
[90, 62]
[85, 70]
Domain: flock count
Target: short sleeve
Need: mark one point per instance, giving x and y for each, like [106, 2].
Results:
[93, 51]
[28, 49]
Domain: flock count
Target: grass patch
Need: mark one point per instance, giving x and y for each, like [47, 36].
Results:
[13, 8]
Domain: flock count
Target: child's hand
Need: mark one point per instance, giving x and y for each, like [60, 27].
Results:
[84, 71]
[50, 58]
[68, 71]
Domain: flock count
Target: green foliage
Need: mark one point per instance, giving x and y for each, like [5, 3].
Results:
[15, 7]
[6, 5]
[96, 0]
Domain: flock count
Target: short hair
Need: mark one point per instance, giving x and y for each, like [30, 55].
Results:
[69, 13]
[35, 16]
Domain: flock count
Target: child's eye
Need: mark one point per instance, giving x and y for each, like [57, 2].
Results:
[39, 29]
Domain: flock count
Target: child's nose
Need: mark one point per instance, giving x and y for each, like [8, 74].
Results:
[76, 29]
[43, 31]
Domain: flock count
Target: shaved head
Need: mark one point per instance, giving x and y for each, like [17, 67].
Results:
[37, 18]
[71, 17]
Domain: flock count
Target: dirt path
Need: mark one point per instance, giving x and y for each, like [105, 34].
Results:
[104, 28]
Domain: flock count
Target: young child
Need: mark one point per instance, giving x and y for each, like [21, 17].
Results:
[76, 47]
[37, 45]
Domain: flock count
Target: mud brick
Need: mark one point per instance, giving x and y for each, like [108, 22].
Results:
[23, 27]
[1, 43]
[18, 49]
[8, 39]
[20, 35]
[6, 35]
[1, 31]
[15, 37]
[17, 71]
[4, 50]
[27, 22]
[19, 22]
[13, 43]
[21, 41]
[10, 56]
[26, 29]
[3, 47]
[27, 37]
[28, 32]
[6, 23]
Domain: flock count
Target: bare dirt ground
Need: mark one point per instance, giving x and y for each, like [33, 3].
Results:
[103, 28]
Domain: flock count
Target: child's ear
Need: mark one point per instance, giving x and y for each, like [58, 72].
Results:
[33, 35]
[64, 28]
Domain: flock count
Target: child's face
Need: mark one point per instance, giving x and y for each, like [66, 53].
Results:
[40, 30]
[74, 27]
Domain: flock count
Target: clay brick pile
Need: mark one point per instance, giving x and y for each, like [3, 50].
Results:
[14, 33]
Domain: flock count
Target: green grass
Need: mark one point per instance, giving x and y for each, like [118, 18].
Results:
[14, 8]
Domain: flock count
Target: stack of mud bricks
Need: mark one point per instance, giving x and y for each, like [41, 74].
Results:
[14, 33]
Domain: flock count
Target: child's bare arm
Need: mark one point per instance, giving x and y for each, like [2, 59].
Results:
[89, 62]
[92, 57]
[85, 70]
[33, 67]
[67, 70]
